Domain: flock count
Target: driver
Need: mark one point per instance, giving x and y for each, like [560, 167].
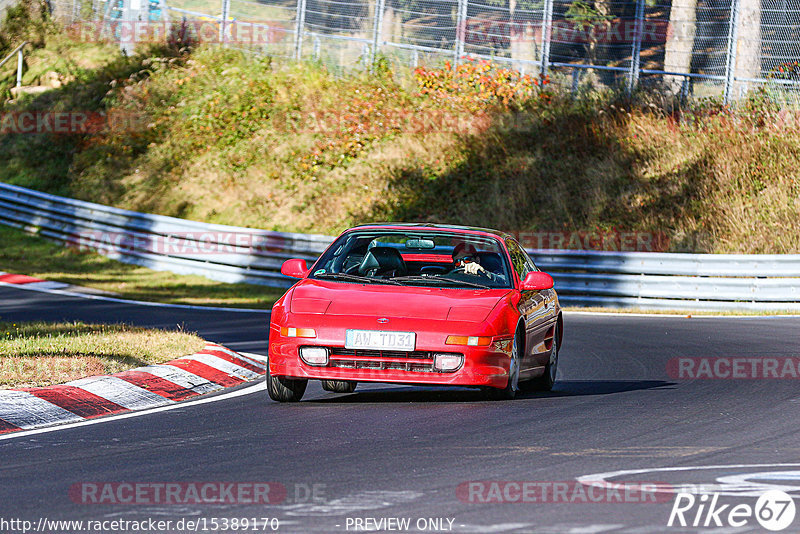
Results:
[466, 257]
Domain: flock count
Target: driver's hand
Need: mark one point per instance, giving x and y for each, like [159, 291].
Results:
[473, 268]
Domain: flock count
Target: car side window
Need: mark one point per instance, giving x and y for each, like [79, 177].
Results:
[520, 259]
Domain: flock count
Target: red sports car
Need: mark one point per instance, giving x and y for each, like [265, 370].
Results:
[416, 304]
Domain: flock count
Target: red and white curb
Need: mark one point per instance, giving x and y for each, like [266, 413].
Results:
[213, 368]
[31, 282]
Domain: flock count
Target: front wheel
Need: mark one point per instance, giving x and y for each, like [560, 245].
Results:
[284, 389]
[339, 386]
[546, 381]
[512, 387]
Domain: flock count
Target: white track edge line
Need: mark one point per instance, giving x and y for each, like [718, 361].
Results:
[129, 301]
[688, 315]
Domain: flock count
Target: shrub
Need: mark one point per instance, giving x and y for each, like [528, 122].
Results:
[480, 83]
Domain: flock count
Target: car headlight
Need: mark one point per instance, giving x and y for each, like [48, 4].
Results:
[314, 355]
[446, 362]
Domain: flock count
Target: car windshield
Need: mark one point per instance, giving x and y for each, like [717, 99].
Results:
[416, 258]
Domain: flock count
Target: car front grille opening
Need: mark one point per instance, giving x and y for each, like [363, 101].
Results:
[381, 360]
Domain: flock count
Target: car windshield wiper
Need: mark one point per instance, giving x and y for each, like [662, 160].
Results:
[357, 278]
[438, 280]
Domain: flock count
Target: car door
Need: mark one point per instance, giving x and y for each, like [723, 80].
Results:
[537, 308]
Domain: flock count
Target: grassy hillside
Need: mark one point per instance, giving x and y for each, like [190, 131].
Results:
[220, 136]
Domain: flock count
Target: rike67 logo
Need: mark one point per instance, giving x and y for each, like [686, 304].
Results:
[774, 511]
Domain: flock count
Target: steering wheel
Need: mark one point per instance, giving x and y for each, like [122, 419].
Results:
[463, 270]
[353, 269]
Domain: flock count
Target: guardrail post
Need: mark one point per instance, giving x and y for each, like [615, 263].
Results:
[461, 30]
[730, 63]
[547, 27]
[377, 25]
[298, 31]
[226, 8]
[636, 50]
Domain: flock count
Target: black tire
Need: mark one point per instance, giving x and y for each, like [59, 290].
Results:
[283, 389]
[513, 385]
[339, 386]
[546, 381]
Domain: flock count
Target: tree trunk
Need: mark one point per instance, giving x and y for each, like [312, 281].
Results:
[680, 41]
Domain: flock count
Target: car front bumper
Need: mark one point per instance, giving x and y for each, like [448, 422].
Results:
[482, 366]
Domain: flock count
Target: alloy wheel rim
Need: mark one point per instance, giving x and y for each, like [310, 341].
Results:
[513, 371]
[554, 357]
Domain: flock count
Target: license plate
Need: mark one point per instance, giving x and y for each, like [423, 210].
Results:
[379, 340]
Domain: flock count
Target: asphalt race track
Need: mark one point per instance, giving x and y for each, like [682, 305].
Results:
[401, 452]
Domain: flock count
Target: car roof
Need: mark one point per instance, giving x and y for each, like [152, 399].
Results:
[430, 226]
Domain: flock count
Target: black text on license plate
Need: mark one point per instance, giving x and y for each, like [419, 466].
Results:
[379, 340]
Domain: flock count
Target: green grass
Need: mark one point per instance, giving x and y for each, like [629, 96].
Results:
[226, 137]
[229, 138]
[41, 354]
[37, 257]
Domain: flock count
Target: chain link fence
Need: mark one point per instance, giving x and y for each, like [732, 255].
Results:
[4, 5]
[691, 48]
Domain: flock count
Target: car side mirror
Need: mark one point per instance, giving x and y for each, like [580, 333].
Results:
[294, 268]
[537, 281]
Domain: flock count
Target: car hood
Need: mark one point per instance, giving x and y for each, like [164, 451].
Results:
[333, 298]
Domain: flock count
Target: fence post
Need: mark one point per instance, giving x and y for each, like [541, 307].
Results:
[636, 51]
[130, 14]
[730, 62]
[576, 79]
[19, 66]
[547, 27]
[298, 29]
[226, 8]
[461, 30]
[377, 25]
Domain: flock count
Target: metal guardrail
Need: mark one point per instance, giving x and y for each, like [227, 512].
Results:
[18, 52]
[234, 254]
